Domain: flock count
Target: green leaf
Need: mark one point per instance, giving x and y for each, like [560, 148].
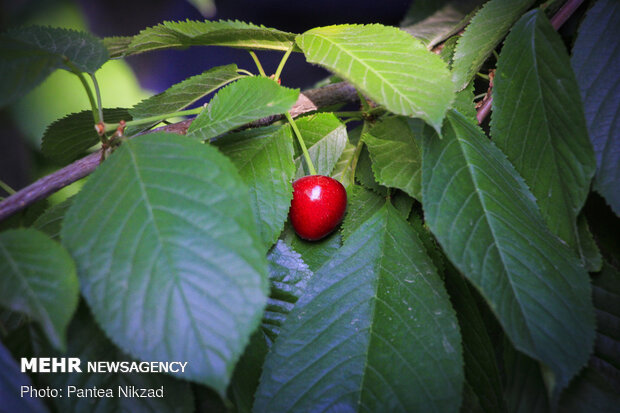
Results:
[247, 373]
[595, 62]
[387, 64]
[314, 253]
[164, 240]
[116, 45]
[288, 275]
[464, 103]
[50, 222]
[433, 23]
[183, 94]
[396, 154]
[374, 331]
[343, 170]
[187, 33]
[590, 254]
[30, 54]
[481, 370]
[239, 103]
[362, 205]
[525, 390]
[325, 138]
[364, 174]
[538, 122]
[264, 159]
[485, 31]
[68, 138]
[488, 224]
[595, 389]
[88, 343]
[11, 382]
[37, 275]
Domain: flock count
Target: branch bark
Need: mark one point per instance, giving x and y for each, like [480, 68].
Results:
[308, 101]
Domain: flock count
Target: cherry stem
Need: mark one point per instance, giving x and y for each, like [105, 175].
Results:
[283, 62]
[257, 63]
[157, 118]
[301, 143]
[89, 92]
[98, 94]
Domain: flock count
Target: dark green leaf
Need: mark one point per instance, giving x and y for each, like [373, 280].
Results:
[38, 279]
[387, 64]
[264, 158]
[481, 370]
[288, 275]
[202, 33]
[239, 103]
[525, 390]
[30, 54]
[183, 94]
[590, 254]
[362, 204]
[538, 122]
[11, 382]
[68, 138]
[433, 23]
[485, 31]
[325, 138]
[595, 62]
[364, 174]
[373, 332]
[164, 239]
[313, 253]
[488, 224]
[396, 154]
[88, 343]
[247, 373]
[50, 222]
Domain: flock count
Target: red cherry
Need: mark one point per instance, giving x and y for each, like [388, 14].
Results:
[318, 206]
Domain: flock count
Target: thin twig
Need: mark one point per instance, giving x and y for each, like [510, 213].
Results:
[308, 101]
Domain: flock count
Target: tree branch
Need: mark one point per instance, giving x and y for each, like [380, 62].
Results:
[308, 101]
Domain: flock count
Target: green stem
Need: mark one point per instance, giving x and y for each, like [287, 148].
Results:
[89, 92]
[301, 143]
[257, 63]
[7, 188]
[98, 93]
[157, 118]
[245, 72]
[283, 62]
[482, 75]
[365, 106]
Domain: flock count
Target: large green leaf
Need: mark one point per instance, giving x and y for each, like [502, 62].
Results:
[524, 389]
[488, 224]
[481, 369]
[182, 34]
[538, 122]
[288, 275]
[235, 105]
[68, 138]
[313, 253]
[264, 158]
[343, 170]
[374, 331]
[183, 94]
[11, 382]
[50, 221]
[38, 279]
[389, 65]
[396, 154]
[325, 138]
[434, 21]
[88, 343]
[595, 62]
[166, 247]
[30, 54]
[485, 31]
